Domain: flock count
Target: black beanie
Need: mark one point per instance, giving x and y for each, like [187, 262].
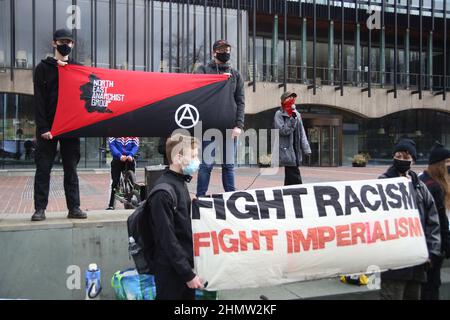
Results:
[407, 145]
[438, 153]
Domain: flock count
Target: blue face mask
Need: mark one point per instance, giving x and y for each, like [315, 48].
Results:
[192, 167]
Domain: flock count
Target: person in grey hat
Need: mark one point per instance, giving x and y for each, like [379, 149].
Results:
[45, 101]
[437, 179]
[220, 64]
[293, 141]
[406, 283]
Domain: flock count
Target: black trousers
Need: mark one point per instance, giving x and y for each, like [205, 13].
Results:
[44, 158]
[292, 175]
[430, 289]
[117, 167]
[400, 290]
[170, 286]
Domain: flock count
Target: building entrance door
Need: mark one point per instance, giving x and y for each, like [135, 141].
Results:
[325, 140]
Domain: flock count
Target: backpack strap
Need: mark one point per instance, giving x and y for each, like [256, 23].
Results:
[165, 187]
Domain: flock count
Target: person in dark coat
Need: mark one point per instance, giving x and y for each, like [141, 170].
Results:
[172, 229]
[436, 178]
[220, 65]
[405, 284]
[293, 140]
[45, 101]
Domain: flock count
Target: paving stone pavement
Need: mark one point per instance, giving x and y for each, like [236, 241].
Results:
[16, 189]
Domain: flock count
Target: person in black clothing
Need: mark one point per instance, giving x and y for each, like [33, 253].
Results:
[405, 284]
[436, 178]
[45, 101]
[220, 65]
[172, 231]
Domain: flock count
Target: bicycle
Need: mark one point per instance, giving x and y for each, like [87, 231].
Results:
[129, 192]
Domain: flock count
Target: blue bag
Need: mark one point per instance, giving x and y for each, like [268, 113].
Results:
[130, 285]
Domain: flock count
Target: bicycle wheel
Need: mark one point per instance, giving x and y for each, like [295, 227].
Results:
[129, 180]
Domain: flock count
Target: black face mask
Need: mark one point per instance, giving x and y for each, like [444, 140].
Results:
[223, 56]
[402, 165]
[64, 49]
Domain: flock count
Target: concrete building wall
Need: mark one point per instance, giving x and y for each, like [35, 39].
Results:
[267, 96]
[34, 257]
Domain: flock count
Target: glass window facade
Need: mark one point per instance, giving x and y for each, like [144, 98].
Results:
[162, 36]
[5, 35]
[122, 34]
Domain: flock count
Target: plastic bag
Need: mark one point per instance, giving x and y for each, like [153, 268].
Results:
[359, 280]
[205, 295]
[130, 285]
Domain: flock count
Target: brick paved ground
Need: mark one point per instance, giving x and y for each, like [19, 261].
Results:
[16, 190]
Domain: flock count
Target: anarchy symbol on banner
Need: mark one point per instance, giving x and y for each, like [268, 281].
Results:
[187, 113]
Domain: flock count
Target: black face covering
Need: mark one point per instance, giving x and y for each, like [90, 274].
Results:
[64, 49]
[223, 56]
[402, 165]
[448, 170]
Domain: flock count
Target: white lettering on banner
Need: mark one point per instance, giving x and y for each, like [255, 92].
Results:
[278, 235]
[101, 97]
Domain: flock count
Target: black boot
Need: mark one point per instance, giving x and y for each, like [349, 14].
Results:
[76, 213]
[112, 200]
[39, 215]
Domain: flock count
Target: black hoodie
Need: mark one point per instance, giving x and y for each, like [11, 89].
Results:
[238, 86]
[430, 223]
[46, 93]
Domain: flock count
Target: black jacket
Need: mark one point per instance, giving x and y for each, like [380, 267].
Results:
[46, 93]
[439, 200]
[238, 86]
[171, 227]
[430, 223]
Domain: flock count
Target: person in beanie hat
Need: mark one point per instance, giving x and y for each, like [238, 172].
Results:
[436, 178]
[293, 141]
[406, 283]
[407, 145]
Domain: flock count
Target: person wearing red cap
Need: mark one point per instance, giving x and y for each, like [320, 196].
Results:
[436, 178]
[293, 140]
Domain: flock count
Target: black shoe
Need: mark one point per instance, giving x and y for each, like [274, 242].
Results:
[39, 215]
[76, 213]
[110, 208]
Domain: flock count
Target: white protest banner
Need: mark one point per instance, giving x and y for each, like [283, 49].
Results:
[271, 236]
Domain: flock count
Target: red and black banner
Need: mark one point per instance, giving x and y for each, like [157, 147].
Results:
[94, 102]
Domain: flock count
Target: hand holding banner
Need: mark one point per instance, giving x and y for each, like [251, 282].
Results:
[94, 102]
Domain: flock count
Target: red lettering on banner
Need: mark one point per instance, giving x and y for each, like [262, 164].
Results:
[403, 228]
[198, 243]
[324, 235]
[378, 233]
[229, 241]
[358, 231]
[306, 243]
[269, 234]
[390, 236]
[243, 240]
[415, 227]
[234, 242]
[343, 236]
[289, 239]
[215, 242]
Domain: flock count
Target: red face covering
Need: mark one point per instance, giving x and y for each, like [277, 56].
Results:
[287, 106]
